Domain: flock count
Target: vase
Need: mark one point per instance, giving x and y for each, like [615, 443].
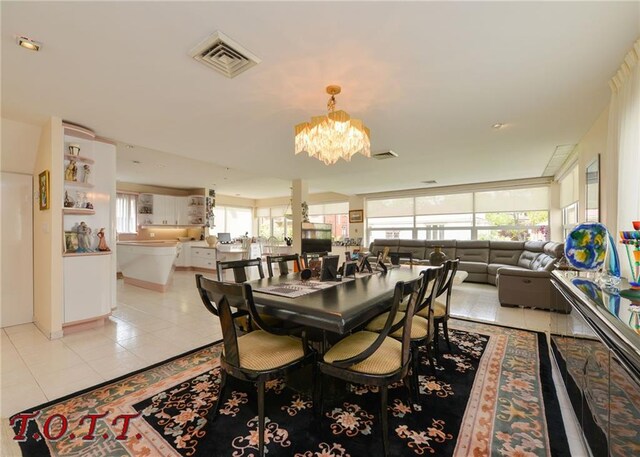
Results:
[437, 257]
[212, 240]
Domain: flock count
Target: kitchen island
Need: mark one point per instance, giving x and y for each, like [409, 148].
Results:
[148, 264]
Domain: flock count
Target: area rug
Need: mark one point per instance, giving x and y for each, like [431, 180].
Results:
[492, 395]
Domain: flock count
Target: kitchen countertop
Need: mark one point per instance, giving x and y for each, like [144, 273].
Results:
[149, 243]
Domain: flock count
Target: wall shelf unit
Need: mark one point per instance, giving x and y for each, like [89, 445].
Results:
[88, 274]
[79, 211]
[79, 158]
[83, 254]
[86, 185]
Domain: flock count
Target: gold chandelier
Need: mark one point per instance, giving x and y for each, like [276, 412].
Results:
[334, 136]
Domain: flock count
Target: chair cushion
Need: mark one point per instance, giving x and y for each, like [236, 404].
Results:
[419, 326]
[261, 351]
[386, 360]
[439, 310]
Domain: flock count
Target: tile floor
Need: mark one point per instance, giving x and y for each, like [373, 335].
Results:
[149, 326]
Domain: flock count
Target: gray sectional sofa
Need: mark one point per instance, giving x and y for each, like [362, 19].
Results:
[521, 270]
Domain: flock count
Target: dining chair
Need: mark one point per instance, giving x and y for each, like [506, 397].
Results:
[441, 308]
[372, 358]
[307, 255]
[282, 261]
[239, 268]
[273, 246]
[259, 356]
[422, 329]
[395, 257]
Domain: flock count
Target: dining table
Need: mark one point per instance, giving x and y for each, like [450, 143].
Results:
[339, 309]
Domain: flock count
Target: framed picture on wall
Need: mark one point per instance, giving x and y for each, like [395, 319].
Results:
[70, 242]
[356, 216]
[43, 189]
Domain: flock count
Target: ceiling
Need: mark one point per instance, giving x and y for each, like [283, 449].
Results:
[428, 79]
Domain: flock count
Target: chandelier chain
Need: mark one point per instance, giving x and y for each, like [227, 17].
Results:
[331, 104]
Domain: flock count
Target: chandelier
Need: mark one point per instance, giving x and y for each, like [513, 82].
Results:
[334, 136]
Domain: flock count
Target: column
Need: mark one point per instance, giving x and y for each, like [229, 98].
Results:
[299, 194]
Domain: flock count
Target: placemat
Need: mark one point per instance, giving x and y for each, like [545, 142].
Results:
[298, 288]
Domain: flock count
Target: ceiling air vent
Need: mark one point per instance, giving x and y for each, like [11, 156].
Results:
[224, 55]
[559, 157]
[384, 155]
[430, 181]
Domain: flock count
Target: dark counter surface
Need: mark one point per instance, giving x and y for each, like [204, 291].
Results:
[616, 319]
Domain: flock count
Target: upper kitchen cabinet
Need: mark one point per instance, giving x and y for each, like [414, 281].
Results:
[155, 209]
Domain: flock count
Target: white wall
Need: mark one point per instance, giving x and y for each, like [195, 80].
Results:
[47, 233]
[19, 146]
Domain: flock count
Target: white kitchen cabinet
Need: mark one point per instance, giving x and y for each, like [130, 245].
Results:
[164, 210]
[159, 209]
[181, 210]
[202, 257]
[87, 287]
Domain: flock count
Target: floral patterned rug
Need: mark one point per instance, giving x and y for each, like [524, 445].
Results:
[492, 395]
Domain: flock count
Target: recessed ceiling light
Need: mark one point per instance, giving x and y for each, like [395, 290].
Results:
[136, 162]
[28, 43]
[161, 165]
[497, 125]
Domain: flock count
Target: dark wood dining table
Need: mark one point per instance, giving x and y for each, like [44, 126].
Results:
[338, 309]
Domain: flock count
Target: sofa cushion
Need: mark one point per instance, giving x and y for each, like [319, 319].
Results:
[448, 247]
[526, 258]
[415, 247]
[473, 267]
[473, 251]
[492, 268]
[553, 249]
[543, 262]
[505, 252]
[534, 246]
[380, 244]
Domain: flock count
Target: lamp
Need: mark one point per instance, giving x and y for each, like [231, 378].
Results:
[334, 136]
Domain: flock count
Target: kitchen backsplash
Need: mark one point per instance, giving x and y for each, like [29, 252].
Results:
[161, 234]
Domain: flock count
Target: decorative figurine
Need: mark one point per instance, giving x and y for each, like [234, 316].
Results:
[84, 238]
[68, 201]
[87, 171]
[102, 244]
[78, 199]
[89, 205]
[71, 172]
[74, 149]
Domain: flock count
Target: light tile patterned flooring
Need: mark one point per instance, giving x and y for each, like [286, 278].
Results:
[148, 327]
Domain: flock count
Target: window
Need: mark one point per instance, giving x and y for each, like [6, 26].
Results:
[335, 214]
[272, 222]
[126, 213]
[236, 221]
[569, 218]
[513, 214]
[569, 195]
